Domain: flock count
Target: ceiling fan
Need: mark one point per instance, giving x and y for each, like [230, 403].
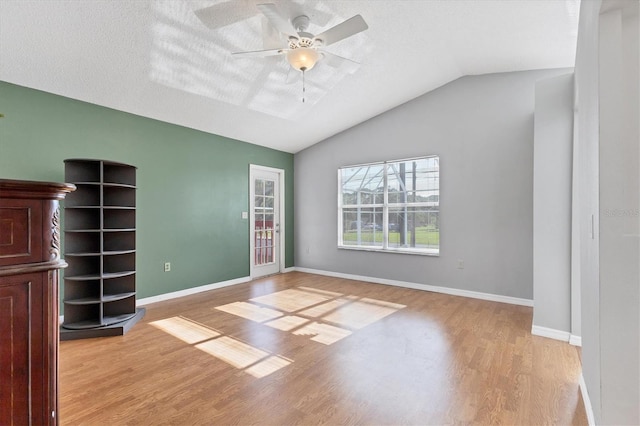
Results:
[303, 50]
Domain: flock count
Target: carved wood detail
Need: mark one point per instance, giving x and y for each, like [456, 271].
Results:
[29, 301]
[54, 251]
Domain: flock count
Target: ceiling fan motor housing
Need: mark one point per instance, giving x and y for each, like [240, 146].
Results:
[305, 40]
[303, 49]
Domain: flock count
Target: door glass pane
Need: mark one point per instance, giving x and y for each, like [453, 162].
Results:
[259, 187]
[264, 252]
[264, 235]
[269, 187]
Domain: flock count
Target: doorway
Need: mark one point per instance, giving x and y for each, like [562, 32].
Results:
[266, 204]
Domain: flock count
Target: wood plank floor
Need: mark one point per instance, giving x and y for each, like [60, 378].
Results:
[307, 349]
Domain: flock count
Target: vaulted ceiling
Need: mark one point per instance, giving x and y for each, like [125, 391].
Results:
[170, 60]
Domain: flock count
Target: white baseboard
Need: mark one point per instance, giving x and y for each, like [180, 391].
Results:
[425, 287]
[551, 333]
[587, 401]
[396, 283]
[575, 340]
[189, 291]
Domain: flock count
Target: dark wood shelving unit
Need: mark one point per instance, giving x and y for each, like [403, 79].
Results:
[100, 248]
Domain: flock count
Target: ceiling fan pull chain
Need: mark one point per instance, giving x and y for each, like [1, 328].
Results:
[303, 88]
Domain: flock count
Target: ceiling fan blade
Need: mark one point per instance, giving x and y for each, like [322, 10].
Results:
[259, 53]
[337, 61]
[271, 38]
[223, 14]
[341, 31]
[277, 20]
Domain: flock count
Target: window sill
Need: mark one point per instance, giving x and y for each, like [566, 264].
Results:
[432, 253]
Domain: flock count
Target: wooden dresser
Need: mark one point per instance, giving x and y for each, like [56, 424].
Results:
[29, 263]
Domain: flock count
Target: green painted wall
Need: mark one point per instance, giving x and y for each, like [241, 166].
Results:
[192, 186]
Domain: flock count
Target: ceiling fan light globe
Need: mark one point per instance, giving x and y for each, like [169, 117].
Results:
[303, 59]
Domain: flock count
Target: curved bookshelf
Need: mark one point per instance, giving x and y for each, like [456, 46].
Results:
[100, 247]
[83, 301]
[106, 253]
[104, 276]
[114, 297]
[105, 298]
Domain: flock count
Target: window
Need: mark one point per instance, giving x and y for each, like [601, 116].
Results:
[390, 206]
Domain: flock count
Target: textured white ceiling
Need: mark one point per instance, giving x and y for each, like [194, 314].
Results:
[158, 59]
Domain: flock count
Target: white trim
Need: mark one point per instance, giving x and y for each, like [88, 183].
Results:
[591, 420]
[282, 217]
[425, 287]
[395, 283]
[189, 291]
[550, 333]
[575, 340]
[576, 219]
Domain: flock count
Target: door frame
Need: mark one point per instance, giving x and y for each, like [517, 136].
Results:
[281, 235]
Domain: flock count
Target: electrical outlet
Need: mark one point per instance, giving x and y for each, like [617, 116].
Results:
[167, 266]
[245, 215]
[460, 264]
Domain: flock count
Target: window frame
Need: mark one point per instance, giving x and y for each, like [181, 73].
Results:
[386, 206]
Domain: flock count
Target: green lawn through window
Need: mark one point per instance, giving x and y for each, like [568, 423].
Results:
[425, 236]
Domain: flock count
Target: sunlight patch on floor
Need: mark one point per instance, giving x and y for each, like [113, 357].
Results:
[232, 351]
[319, 310]
[291, 300]
[334, 315]
[250, 311]
[256, 362]
[326, 317]
[323, 333]
[361, 313]
[253, 361]
[318, 291]
[185, 329]
[287, 323]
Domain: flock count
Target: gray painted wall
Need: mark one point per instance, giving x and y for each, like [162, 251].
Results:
[619, 215]
[585, 209]
[482, 129]
[608, 191]
[552, 158]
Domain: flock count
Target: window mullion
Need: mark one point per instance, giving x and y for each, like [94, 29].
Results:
[385, 210]
[340, 210]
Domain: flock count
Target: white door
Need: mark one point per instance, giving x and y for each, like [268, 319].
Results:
[267, 228]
